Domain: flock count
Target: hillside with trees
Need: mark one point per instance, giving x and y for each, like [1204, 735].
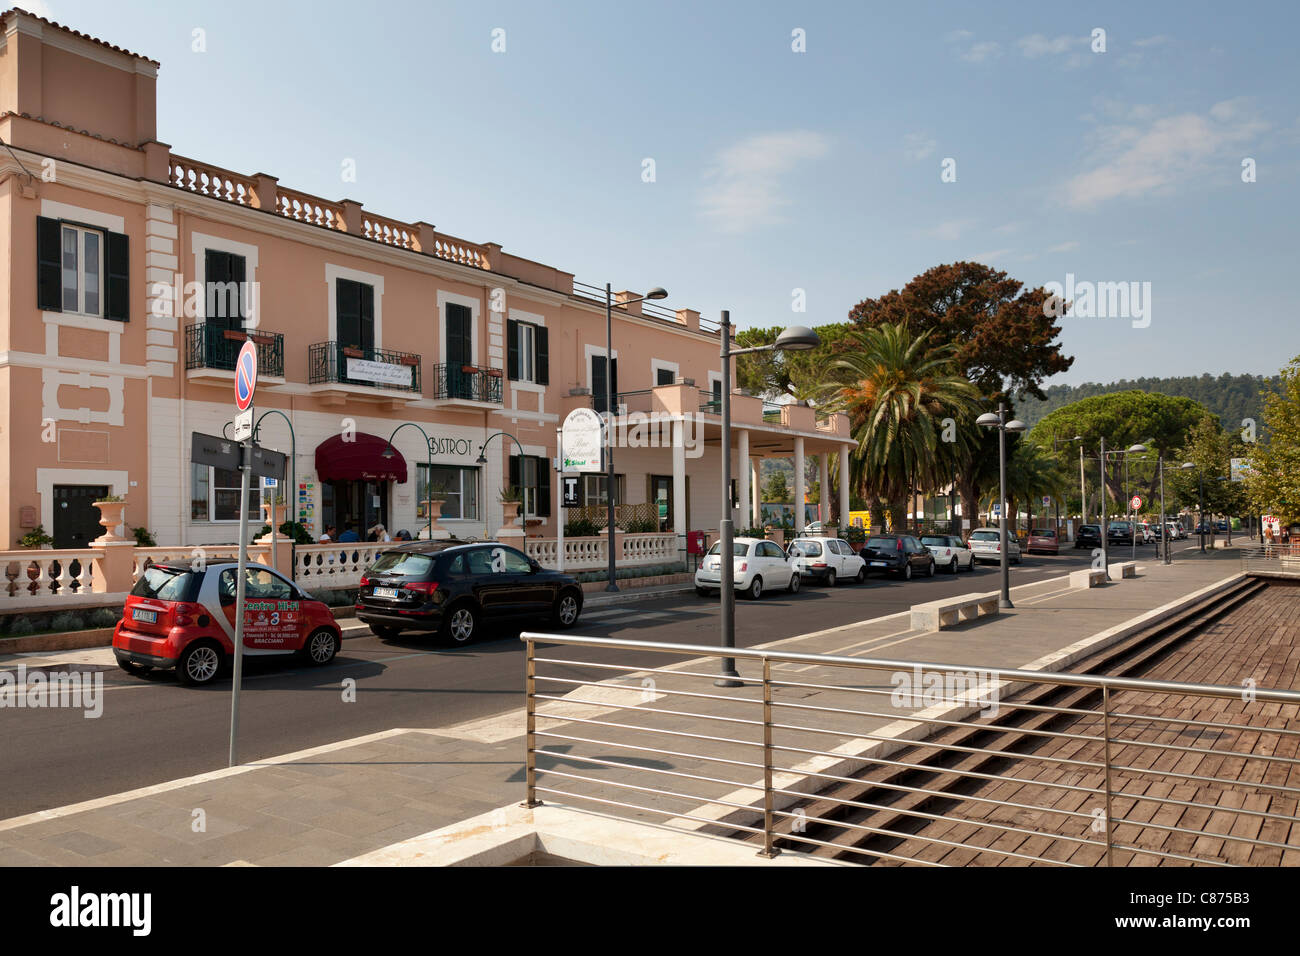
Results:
[1231, 397]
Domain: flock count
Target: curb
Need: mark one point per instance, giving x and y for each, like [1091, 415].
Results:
[636, 594]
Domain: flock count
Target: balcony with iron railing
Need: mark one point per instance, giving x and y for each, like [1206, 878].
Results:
[214, 348]
[467, 383]
[383, 371]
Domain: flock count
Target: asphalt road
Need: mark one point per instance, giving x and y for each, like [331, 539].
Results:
[153, 730]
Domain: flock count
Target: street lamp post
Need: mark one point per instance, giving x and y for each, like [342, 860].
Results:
[797, 338]
[656, 293]
[1164, 528]
[1200, 503]
[999, 421]
[428, 484]
[1057, 501]
[523, 494]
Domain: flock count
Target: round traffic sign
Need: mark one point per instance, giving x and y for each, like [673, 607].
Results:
[245, 375]
[1136, 502]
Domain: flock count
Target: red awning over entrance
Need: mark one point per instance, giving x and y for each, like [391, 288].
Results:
[361, 459]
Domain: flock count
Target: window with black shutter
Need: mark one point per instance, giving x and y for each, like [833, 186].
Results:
[355, 314]
[527, 352]
[598, 381]
[664, 376]
[83, 270]
[460, 335]
[224, 275]
[531, 476]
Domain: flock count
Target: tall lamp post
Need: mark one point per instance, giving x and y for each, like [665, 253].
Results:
[1055, 442]
[797, 338]
[1164, 529]
[523, 495]
[1200, 505]
[428, 484]
[999, 421]
[657, 292]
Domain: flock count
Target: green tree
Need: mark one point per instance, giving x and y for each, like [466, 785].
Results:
[1273, 483]
[907, 405]
[1209, 449]
[1124, 419]
[777, 491]
[798, 374]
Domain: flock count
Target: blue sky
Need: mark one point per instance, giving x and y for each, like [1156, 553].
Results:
[777, 170]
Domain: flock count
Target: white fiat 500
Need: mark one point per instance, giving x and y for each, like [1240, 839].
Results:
[950, 552]
[828, 560]
[758, 566]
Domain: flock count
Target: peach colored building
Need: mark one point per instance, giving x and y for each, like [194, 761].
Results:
[132, 276]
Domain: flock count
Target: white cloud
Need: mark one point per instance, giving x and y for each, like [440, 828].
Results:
[1134, 159]
[917, 146]
[1036, 45]
[746, 187]
[979, 52]
[950, 229]
[1064, 247]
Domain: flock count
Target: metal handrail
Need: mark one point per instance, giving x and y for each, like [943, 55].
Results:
[991, 680]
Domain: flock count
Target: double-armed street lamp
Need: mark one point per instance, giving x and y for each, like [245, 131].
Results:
[796, 338]
[1164, 526]
[999, 421]
[1082, 503]
[658, 292]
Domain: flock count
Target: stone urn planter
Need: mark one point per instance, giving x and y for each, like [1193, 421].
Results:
[510, 527]
[422, 514]
[111, 517]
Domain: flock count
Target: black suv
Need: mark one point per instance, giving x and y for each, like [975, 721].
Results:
[1089, 536]
[1123, 532]
[897, 553]
[451, 587]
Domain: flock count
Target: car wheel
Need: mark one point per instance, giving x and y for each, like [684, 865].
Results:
[860, 576]
[460, 623]
[567, 609]
[385, 632]
[953, 568]
[199, 663]
[702, 592]
[907, 571]
[755, 589]
[321, 647]
[830, 579]
[929, 570]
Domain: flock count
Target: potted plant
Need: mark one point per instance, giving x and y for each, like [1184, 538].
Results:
[410, 360]
[34, 539]
[352, 351]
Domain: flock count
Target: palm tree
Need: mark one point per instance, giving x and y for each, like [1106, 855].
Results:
[908, 408]
[1031, 473]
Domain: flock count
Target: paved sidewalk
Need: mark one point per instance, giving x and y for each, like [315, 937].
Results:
[344, 800]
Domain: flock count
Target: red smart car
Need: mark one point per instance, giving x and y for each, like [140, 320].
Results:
[182, 617]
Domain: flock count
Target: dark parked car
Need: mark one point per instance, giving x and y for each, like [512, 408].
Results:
[899, 554]
[1089, 536]
[452, 587]
[1123, 532]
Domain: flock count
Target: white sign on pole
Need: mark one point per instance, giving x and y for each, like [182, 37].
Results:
[581, 441]
[1047, 501]
[244, 425]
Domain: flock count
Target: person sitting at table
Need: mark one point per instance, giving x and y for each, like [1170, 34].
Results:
[350, 535]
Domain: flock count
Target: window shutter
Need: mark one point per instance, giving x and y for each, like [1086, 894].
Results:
[514, 471]
[347, 301]
[238, 275]
[598, 382]
[543, 357]
[49, 249]
[367, 311]
[512, 349]
[543, 488]
[613, 376]
[118, 269]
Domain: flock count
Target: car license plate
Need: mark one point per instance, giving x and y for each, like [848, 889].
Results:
[386, 592]
[148, 617]
[877, 564]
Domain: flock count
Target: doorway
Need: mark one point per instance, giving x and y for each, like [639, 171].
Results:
[356, 504]
[76, 520]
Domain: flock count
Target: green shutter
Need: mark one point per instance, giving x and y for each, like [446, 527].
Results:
[118, 269]
[512, 349]
[543, 357]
